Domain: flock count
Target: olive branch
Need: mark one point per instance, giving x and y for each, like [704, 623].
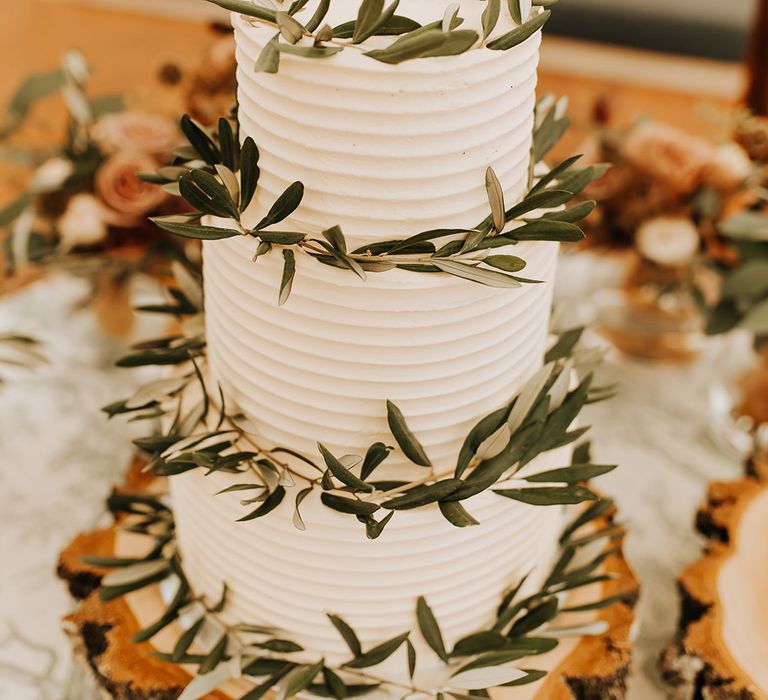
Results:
[204, 432]
[222, 650]
[314, 39]
[204, 173]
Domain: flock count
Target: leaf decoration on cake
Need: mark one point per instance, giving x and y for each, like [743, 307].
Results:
[269, 58]
[290, 29]
[520, 34]
[342, 473]
[430, 629]
[524, 627]
[211, 188]
[347, 634]
[407, 441]
[317, 18]
[367, 18]
[379, 653]
[490, 17]
[298, 679]
[456, 514]
[496, 199]
[289, 272]
[284, 206]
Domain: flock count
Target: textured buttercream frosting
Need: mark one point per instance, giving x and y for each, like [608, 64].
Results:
[384, 152]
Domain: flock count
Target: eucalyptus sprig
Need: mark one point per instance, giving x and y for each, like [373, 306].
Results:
[205, 175]
[314, 39]
[524, 626]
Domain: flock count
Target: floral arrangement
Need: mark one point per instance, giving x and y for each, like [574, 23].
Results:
[679, 200]
[84, 197]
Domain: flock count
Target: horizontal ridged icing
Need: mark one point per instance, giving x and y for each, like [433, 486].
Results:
[322, 366]
[288, 578]
[384, 151]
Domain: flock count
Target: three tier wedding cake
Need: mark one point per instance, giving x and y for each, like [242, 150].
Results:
[372, 482]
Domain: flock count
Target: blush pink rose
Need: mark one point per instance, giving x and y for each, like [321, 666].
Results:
[135, 131]
[123, 192]
[669, 154]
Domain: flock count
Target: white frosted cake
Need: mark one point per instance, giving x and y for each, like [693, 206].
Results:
[384, 151]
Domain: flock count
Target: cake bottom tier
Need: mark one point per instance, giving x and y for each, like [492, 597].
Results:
[281, 576]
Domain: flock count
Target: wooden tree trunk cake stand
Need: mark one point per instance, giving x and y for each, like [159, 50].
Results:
[585, 668]
[721, 652]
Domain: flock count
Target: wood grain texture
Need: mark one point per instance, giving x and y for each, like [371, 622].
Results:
[698, 665]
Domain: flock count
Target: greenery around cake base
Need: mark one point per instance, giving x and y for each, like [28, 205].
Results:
[524, 627]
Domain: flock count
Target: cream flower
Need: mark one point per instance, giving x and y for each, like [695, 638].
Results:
[729, 167]
[667, 241]
[83, 222]
[51, 175]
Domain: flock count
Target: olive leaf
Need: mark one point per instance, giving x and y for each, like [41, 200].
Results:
[217, 193]
[491, 17]
[215, 656]
[373, 527]
[248, 8]
[348, 505]
[289, 272]
[249, 172]
[347, 634]
[408, 47]
[319, 16]
[284, 206]
[474, 273]
[374, 456]
[379, 653]
[309, 51]
[423, 495]
[455, 43]
[290, 29]
[430, 629]
[269, 58]
[456, 514]
[298, 679]
[521, 33]
[227, 145]
[407, 441]
[298, 522]
[495, 199]
[507, 263]
[335, 237]
[535, 617]
[548, 496]
[571, 475]
[367, 17]
[341, 472]
[200, 140]
[273, 501]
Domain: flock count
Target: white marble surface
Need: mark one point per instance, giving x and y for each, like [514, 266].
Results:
[59, 458]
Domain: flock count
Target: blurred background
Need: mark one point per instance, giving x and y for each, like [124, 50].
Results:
[662, 90]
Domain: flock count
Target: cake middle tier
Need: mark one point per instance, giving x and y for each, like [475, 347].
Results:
[320, 368]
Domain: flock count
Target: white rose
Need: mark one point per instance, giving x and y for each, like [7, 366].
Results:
[729, 167]
[667, 241]
[51, 175]
[83, 222]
